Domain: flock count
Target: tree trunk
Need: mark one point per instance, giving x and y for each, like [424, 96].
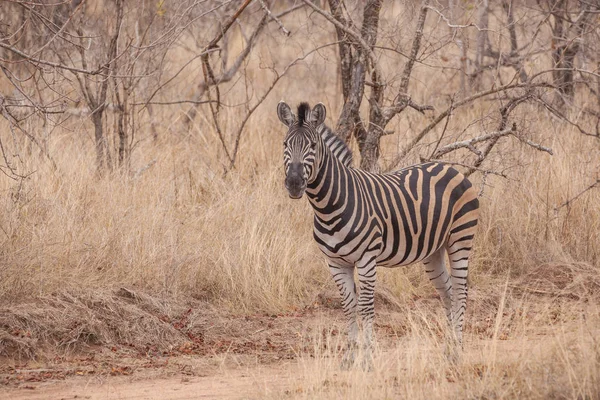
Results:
[482, 39]
[369, 151]
[99, 141]
[565, 45]
[380, 116]
[122, 130]
[345, 48]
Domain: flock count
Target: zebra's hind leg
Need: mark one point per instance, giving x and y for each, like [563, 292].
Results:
[459, 250]
[344, 279]
[438, 275]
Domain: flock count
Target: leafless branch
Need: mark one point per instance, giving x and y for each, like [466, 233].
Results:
[416, 45]
[37, 62]
[14, 123]
[556, 112]
[274, 18]
[578, 195]
[230, 73]
[468, 144]
[394, 163]
[264, 96]
[470, 167]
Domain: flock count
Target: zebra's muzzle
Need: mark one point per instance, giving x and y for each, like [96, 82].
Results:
[295, 183]
[295, 191]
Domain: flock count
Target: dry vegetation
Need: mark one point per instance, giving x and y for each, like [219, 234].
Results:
[148, 256]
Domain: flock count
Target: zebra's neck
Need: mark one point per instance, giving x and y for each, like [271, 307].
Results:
[327, 192]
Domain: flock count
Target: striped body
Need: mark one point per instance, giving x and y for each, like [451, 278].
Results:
[363, 220]
[406, 215]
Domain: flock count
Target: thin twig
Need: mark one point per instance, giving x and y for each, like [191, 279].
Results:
[274, 18]
[50, 63]
[578, 195]
[264, 96]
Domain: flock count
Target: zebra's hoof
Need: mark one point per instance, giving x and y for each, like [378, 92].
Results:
[348, 360]
[452, 352]
[366, 363]
[363, 361]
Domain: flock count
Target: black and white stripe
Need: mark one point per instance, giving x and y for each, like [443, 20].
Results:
[363, 220]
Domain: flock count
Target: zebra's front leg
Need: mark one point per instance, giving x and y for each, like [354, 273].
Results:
[366, 305]
[344, 279]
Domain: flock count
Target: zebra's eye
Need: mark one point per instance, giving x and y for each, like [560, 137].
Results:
[313, 145]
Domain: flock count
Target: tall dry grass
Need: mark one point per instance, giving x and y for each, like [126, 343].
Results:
[183, 227]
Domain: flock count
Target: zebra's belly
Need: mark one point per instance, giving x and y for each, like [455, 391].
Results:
[393, 263]
[342, 259]
[344, 249]
[344, 252]
[339, 251]
[404, 253]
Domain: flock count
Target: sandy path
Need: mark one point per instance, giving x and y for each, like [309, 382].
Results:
[230, 384]
[227, 382]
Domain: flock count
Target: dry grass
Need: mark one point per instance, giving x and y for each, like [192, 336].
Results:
[564, 363]
[183, 229]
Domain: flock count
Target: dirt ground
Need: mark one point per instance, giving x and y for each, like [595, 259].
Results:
[182, 377]
[200, 352]
[255, 358]
[196, 377]
[237, 383]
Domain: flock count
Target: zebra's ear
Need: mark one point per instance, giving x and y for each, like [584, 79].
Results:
[285, 114]
[317, 115]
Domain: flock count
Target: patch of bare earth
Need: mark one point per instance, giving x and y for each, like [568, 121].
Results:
[126, 344]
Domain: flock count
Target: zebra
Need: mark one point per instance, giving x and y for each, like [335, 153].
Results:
[363, 220]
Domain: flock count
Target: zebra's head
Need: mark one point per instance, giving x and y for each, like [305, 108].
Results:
[301, 145]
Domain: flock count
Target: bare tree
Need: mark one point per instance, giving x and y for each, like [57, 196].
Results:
[569, 25]
[66, 60]
[357, 58]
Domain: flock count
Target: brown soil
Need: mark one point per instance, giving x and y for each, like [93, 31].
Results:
[227, 384]
[192, 350]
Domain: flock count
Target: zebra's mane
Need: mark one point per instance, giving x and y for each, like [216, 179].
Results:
[303, 110]
[336, 145]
